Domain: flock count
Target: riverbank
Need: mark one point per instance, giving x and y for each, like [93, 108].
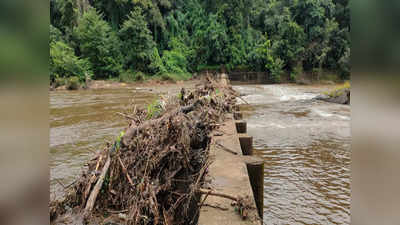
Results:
[112, 84]
[151, 83]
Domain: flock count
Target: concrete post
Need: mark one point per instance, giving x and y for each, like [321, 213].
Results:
[241, 126]
[246, 143]
[237, 115]
[255, 168]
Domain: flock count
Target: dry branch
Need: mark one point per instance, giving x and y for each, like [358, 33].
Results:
[216, 207]
[218, 194]
[97, 187]
[225, 148]
[125, 171]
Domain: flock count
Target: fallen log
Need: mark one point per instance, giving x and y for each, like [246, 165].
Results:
[91, 181]
[96, 189]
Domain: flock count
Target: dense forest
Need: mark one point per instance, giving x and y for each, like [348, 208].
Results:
[129, 39]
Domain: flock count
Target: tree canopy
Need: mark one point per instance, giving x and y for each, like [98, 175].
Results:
[183, 36]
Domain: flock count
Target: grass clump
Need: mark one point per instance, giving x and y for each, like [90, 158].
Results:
[338, 90]
[154, 109]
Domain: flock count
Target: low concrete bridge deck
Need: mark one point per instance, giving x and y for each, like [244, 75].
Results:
[229, 175]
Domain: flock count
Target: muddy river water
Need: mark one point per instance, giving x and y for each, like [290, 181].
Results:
[306, 149]
[81, 122]
[305, 144]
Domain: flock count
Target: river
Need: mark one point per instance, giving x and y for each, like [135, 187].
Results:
[80, 123]
[305, 145]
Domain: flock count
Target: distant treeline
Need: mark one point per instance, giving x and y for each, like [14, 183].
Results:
[126, 38]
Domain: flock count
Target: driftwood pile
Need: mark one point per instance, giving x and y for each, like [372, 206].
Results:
[154, 172]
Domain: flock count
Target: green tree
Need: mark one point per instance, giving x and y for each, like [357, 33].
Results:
[176, 59]
[64, 63]
[139, 47]
[55, 34]
[99, 44]
[273, 63]
[304, 35]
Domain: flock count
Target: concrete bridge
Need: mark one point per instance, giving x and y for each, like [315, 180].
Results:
[236, 172]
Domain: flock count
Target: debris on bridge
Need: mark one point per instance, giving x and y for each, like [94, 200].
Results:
[154, 172]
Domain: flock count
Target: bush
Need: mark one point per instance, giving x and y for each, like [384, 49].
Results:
[59, 81]
[139, 76]
[174, 76]
[203, 67]
[276, 69]
[64, 63]
[344, 64]
[99, 44]
[128, 76]
[272, 63]
[73, 83]
[156, 65]
[174, 62]
[297, 71]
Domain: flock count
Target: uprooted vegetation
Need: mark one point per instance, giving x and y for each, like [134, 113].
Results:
[154, 172]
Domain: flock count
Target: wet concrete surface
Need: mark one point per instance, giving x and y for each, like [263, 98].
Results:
[228, 174]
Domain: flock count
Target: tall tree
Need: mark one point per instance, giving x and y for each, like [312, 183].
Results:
[139, 47]
[99, 43]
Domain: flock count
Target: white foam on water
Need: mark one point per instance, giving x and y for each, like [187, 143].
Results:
[326, 114]
[284, 93]
[263, 125]
[252, 99]
[296, 97]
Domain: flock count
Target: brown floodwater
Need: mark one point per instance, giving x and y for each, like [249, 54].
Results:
[306, 148]
[81, 122]
[305, 144]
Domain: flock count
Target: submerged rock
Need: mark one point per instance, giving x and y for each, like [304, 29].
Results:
[341, 97]
[322, 97]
